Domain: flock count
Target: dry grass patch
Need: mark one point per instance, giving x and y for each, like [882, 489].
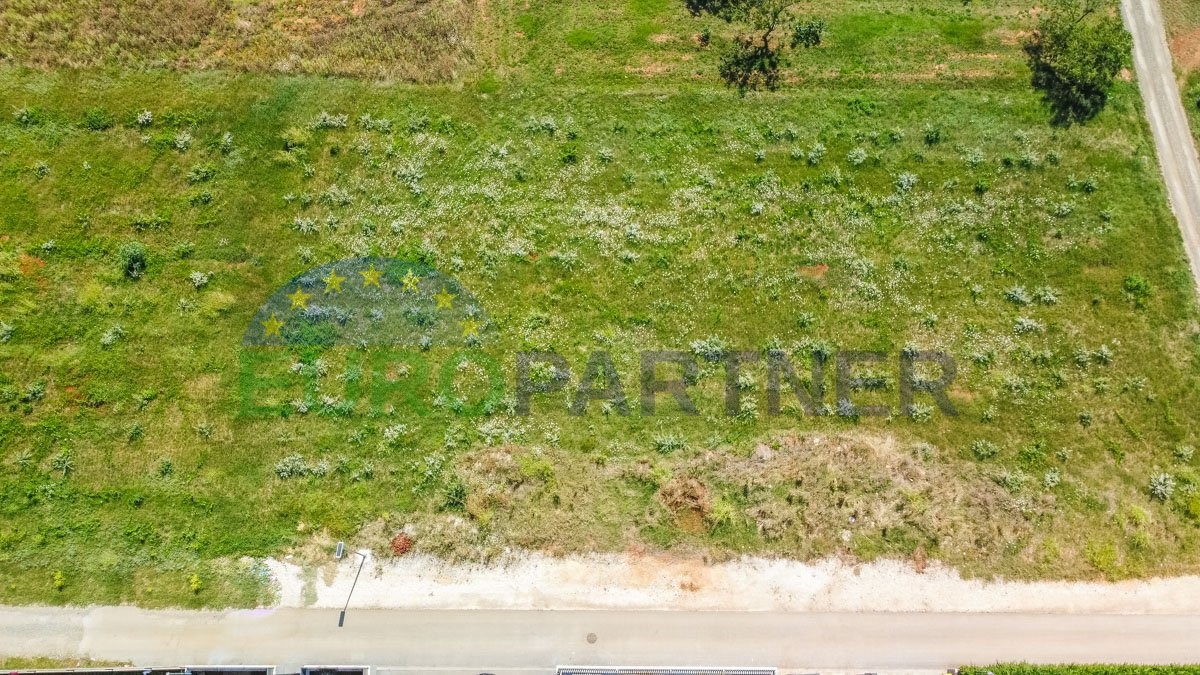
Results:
[405, 39]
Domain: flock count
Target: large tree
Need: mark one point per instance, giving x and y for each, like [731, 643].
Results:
[1075, 53]
[754, 59]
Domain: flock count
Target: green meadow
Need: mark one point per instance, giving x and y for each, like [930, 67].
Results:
[582, 173]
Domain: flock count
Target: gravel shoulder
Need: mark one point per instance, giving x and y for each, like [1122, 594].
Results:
[533, 581]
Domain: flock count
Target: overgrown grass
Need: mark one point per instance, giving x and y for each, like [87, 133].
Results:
[592, 204]
[1126, 669]
[427, 41]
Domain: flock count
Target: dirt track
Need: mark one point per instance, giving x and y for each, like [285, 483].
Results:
[1164, 110]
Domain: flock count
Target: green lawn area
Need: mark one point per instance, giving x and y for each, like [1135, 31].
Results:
[589, 181]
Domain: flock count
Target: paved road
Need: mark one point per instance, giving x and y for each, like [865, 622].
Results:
[452, 641]
[1164, 110]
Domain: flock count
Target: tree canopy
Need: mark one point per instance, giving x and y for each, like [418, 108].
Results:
[753, 60]
[1076, 52]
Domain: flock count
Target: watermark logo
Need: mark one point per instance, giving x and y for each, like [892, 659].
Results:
[410, 338]
[370, 301]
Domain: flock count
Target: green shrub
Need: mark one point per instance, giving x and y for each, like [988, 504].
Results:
[668, 443]
[97, 119]
[808, 33]
[201, 173]
[29, 117]
[455, 496]
[295, 138]
[535, 468]
[983, 449]
[153, 221]
[1138, 289]
[132, 257]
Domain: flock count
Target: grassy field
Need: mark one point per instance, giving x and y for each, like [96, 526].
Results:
[589, 181]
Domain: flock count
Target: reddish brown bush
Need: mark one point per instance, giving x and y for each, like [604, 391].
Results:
[401, 544]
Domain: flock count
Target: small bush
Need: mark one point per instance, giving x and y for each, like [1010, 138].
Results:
[1137, 288]
[1024, 325]
[292, 466]
[1162, 486]
[808, 33]
[711, 348]
[165, 469]
[984, 450]
[668, 443]
[535, 468]
[132, 257]
[816, 154]
[201, 198]
[295, 138]
[1045, 296]
[199, 279]
[149, 222]
[35, 391]
[401, 544]
[326, 120]
[112, 336]
[201, 173]
[97, 119]
[920, 412]
[29, 117]
[63, 462]
[1017, 295]
[568, 154]
[455, 495]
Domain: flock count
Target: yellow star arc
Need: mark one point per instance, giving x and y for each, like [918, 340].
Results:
[271, 326]
[445, 299]
[333, 282]
[470, 328]
[410, 281]
[371, 277]
[299, 299]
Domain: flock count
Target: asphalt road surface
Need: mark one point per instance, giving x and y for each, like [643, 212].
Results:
[476, 641]
[1169, 123]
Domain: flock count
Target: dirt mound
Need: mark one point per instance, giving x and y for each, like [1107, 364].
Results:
[1185, 48]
